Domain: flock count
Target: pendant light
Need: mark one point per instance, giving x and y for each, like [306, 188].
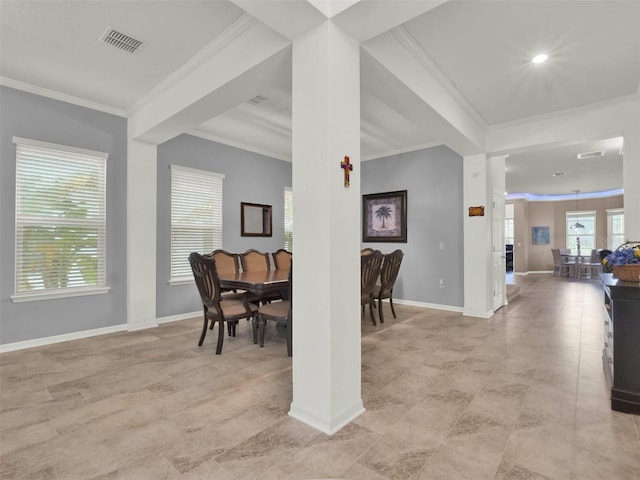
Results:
[577, 225]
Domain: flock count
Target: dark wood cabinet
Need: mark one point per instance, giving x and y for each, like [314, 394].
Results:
[621, 353]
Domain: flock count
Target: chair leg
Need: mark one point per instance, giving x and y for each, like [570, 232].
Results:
[254, 327]
[204, 330]
[393, 310]
[380, 310]
[220, 337]
[373, 319]
[261, 328]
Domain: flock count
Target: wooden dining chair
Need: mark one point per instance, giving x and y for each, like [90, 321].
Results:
[217, 308]
[280, 312]
[388, 275]
[255, 261]
[282, 259]
[369, 271]
[366, 251]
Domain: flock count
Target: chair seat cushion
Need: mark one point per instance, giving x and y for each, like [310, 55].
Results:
[276, 309]
[231, 308]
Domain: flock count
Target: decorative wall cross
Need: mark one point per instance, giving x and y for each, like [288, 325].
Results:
[347, 167]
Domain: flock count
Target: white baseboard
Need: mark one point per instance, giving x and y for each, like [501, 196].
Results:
[478, 314]
[181, 316]
[435, 306]
[533, 272]
[40, 342]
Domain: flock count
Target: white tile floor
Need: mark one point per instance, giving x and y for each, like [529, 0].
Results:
[518, 396]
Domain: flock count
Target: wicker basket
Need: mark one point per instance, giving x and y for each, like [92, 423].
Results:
[627, 273]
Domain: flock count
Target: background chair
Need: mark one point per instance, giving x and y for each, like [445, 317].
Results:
[592, 268]
[280, 312]
[369, 271]
[366, 251]
[216, 307]
[388, 275]
[254, 261]
[226, 263]
[561, 265]
[282, 259]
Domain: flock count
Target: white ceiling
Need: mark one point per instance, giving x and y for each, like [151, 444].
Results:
[479, 50]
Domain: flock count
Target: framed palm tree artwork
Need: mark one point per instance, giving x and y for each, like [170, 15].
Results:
[384, 217]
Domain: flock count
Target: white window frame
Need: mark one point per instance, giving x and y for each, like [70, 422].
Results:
[288, 219]
[196, 209]
[39, 156]
[613, 212]
[577, 215]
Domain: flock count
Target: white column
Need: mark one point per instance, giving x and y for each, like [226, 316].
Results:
[631, 178]
[477, 237]
[326, 289]
[141, 234]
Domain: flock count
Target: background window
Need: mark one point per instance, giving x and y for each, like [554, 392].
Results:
[581, 225]
[196, 216]
[615, 228]
[508, 231]
[60, 218]
[288, 219]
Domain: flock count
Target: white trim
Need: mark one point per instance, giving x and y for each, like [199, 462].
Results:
[181, 281]
[339, 421]
[62, 97]
[61, 148]
[63, 293]
[134, 327]
[415, 49]
[435, 306]
[179, 317]
[235, 30]
[235, 144]
[478, 314]
[400, 151]
[40, 342]
[530, 197]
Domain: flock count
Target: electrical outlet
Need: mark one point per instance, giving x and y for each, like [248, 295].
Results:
[442, 283]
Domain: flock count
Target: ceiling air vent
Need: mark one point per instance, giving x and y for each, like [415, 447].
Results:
[119, 40]
[582, 156]
[258, 99]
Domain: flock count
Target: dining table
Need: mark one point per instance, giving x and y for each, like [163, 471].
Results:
[258, 283]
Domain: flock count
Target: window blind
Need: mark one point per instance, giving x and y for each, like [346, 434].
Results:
[196, 216]
[288, 219]
[60, 217]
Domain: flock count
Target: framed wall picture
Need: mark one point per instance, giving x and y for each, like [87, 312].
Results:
[384, 217]
[541, 235]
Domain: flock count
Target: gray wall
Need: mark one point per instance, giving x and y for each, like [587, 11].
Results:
[249, 177]
[31, 116]
[433, 180]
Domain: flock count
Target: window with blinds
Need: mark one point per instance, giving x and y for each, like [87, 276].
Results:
[60, 219]
[581, 230]
[615, 228]
[288, 219]
[196, 216]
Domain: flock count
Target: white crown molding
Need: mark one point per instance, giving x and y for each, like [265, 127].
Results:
[400, 151]
[235, 30]
[234, 144]
[409, 42]
[63, 97]
[566, 113]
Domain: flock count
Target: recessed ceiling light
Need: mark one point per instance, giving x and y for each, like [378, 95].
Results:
[541, 57]
[558, 174]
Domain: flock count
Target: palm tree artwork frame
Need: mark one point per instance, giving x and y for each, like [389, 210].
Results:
[384, 217]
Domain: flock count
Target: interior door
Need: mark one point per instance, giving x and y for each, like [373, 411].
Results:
[499, 256]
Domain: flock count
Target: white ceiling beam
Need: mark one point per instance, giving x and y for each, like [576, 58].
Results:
[366, 19]
[449, 122]
[247, 65]
[289, 18]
